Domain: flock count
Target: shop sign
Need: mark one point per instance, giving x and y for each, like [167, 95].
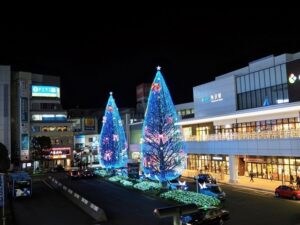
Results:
[256, 160]
[216, 97]
[218, 158]
[57, 153]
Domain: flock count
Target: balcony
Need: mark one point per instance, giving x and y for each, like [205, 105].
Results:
[282, 134]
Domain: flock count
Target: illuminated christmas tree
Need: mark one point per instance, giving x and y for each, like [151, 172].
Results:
[113, 144]
[163, 147]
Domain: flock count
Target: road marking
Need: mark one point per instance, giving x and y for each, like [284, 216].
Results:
[48, 185]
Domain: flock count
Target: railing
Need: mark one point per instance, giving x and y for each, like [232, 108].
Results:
[247, 136]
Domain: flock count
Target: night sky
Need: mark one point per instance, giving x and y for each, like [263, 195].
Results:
[117, 50]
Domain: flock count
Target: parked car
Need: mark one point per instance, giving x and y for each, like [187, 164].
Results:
[177, 185]
[207, 178]
[287, 192]
[213, 190]
[203, 216]
[74, 174]
[87, 173]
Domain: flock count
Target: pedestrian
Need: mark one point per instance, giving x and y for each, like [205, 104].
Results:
[271, 176]
[291, 179]
[298, 182]
[251, 176]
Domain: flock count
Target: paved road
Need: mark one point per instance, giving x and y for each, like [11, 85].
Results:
[122, 206]
[48, 207]
[249, 207]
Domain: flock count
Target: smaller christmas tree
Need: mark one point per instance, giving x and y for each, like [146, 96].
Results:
[113, 144]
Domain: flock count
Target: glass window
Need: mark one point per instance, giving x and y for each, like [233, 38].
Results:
[283, 74]
[274, 95]
[244, 100]
[238, 84]
[278, 75]
[252, 83]
[258, 98]
[257, 86]
[280, 98]
[247, 82]
[267, 78]
[263, 95]
[285, 92]
[268, 96]
[248, 99]
[272, 76]
[261, 79]
[253, 99]
[240, 101]
[243, 88]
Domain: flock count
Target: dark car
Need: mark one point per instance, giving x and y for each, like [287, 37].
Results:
[207, 178]
[213, 190]
[74, 174]
[287, 192]
[205, 216]
[87, 173]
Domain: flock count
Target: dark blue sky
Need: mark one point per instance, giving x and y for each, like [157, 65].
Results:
[115, 50]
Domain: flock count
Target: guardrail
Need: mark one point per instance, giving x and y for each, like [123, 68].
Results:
[246, 136]
[90, 208]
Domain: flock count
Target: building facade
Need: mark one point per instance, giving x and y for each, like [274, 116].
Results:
[36, 112]
[248, 121]
[5, 127]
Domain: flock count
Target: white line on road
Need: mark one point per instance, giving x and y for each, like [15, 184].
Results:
[48, 185]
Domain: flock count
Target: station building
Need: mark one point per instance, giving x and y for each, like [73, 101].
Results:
[248, 120]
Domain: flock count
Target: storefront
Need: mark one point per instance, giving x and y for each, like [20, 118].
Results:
[276, 168]
[208, 163]
[57, 156]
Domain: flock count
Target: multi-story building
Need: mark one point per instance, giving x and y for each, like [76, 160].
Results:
[5, 127]
[37, 111]
[248, 120]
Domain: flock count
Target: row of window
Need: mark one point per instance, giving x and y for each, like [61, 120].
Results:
[184, 112]
[49, 129]
[258, 126]
[263, 97]
[262, 79]
[45, 106]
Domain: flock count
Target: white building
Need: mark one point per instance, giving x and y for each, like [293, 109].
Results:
[248, 120]
[37, 111]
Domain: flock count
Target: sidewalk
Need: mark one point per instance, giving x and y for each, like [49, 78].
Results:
[258, 184]
[243, 181]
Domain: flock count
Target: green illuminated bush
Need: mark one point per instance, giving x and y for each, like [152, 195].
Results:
[126, 183]
[188, 197]
[147, 185]
[116, 178]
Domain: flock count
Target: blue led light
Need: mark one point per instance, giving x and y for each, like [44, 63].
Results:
[113, 144]
[163, 147]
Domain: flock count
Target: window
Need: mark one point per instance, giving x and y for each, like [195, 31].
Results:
[267, 78]
[278, 75]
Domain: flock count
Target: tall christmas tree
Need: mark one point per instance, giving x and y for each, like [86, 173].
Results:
[113, 144]
[163, 147]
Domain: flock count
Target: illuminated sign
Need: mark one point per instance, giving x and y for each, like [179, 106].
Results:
[45, 91]
[217, 97]
[57, 153]
[217, 158]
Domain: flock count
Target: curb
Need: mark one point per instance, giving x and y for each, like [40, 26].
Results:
[90, 208]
